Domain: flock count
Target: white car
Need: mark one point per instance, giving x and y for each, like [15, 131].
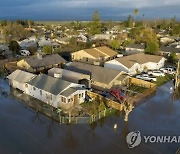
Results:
[156, 73]
[25, 52]
[146, 77]
[168, 70]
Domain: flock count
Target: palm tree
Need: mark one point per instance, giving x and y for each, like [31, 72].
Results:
[136, 11]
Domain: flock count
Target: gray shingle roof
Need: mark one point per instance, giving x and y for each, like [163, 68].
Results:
[169, 49]
[45, 61]
[49, 84]
[21, 76]
[137, 46]
[98, 74]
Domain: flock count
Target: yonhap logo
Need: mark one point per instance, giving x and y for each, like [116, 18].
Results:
[133, 139]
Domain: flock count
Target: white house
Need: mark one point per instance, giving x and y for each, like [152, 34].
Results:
[56, 92]
[136, 63]
[18, 79]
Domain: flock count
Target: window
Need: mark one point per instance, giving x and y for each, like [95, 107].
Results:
[82, 94]
[26, 85]
[34, 88]
[41, 92]
[69, 100]
[63, 99]
[79, 95]
[86, 59]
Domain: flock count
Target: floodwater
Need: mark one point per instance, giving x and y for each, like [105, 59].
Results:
[22, 131]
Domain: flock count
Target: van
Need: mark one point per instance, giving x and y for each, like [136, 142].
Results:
[25, 52]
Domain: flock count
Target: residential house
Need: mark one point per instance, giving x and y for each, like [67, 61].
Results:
[82, 38]
[70, 76]
[102, 37]
[166, 51]
[101, 78]
[56, 92]
[39, 63]
[166, 39]
[96, 56]
[135, 47]
[18, 79]
[136, 63]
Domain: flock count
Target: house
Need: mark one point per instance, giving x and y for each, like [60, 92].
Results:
[96, 56]
[18, 79]
[102, 37]
[39, 63]
[135, 47]
[136, 63]
[55, 92]
[101, 78]
[25, 44]
[166, 39]
[82, 38]
[64, 40]
[70, 76]
[166, 51]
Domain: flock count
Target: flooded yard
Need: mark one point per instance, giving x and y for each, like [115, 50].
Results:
[23, 131]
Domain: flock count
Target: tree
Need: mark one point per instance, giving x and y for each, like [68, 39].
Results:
[95, 25]
[32, 50]
[172, 57]
[115, 44]
[14, 31]
[14, 47]
[136, 11]
[47, 49]
[152, 48]
[129, 22]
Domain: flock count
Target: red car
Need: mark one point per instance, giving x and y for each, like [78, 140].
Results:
[118, 94]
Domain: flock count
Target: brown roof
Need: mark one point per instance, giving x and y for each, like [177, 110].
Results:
[140, 58]
[94, 53]
[101, 52]
[107, 51]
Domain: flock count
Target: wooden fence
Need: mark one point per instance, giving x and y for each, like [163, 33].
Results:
[108, 102]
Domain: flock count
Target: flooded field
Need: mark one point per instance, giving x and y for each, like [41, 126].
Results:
[23, 131]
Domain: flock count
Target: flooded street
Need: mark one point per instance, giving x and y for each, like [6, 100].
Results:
[22, 131]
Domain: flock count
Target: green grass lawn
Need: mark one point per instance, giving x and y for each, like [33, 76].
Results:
[137, 89]
[162, 80]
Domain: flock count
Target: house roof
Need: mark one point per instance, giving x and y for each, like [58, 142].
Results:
[169, 49]
[101, 52]
[45, 61]
[68, 73]
[21, 76]
[98, 74]
[49, 84]
[70, 91]
[139, 58]
[137, 46]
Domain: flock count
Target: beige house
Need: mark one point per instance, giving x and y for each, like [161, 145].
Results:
[95, 56]
[39, 63]
[101, 78]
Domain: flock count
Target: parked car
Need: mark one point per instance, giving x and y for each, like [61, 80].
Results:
[118, 94]
[146, 77]
[156, 73]
[25, 52]
[168, 70]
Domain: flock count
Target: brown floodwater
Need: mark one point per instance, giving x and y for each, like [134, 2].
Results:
[23, 131]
